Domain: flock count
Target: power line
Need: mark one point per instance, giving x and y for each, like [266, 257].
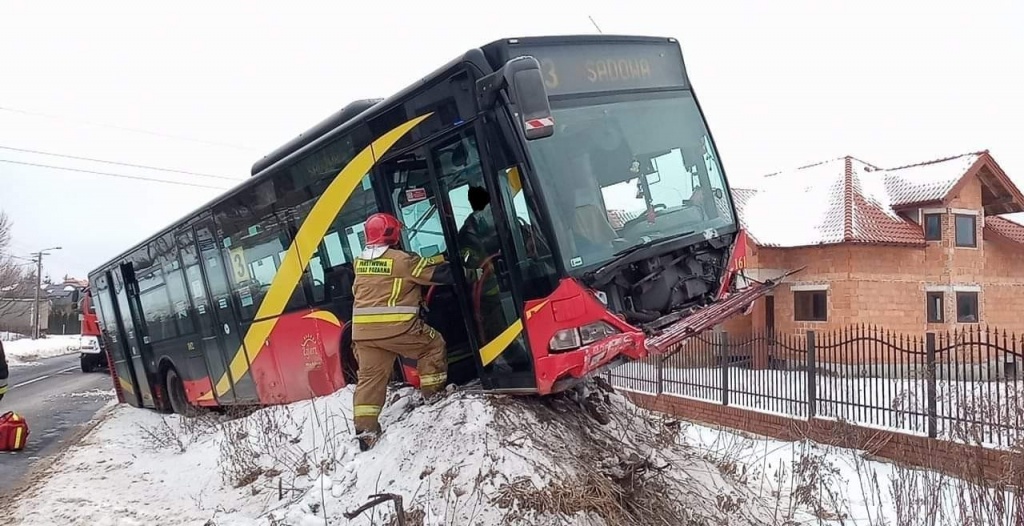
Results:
[592, 21]
[26, 150]
[125, 128]
[136, 177]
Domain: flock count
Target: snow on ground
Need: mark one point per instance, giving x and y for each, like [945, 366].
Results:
[845, 487]
[469, 459]
[27, 350]
[475, 459]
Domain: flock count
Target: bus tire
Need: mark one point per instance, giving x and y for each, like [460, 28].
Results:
[175, 389]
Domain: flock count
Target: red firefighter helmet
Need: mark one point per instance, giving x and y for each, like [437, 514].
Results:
[382, 230]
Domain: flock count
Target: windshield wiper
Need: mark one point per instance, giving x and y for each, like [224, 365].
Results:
[651, 243]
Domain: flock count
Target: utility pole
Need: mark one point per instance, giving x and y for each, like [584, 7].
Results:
[39, 285]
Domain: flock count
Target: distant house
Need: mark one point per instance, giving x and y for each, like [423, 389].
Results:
[914, 248]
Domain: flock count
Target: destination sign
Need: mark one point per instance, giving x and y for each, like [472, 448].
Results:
[588, 68]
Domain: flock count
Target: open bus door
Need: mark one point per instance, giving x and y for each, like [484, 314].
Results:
[125, 352]
[431, 194]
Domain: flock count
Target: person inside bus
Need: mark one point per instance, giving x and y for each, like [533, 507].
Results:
[478, 238]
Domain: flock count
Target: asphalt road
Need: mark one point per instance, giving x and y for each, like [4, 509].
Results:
[57, 399]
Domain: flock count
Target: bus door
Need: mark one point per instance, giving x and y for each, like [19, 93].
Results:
[414, 198]
[126, 292]
[227, 344]
[207, 359]
[111, 297]
[468, 214]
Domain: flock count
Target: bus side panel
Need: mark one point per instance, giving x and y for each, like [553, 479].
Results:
[301, 358]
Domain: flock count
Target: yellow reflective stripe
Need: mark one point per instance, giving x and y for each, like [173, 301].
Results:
[382, 318]
[433, 379]
[18, 438]
[418, 269]
[495, 347]
[400, 309]
[306, 241]
[3, 389]
[366, 410]
[396, 290]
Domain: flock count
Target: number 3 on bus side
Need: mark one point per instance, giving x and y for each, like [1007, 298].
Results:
[550, 76]
[239, 266]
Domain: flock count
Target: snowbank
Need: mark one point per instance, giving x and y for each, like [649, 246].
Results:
[473, 460]
[27, 350]
[469, 459]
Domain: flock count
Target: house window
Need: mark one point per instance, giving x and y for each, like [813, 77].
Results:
[932, 227]
[810, 305]
[967, 307]
[966, 230]
[936, 307]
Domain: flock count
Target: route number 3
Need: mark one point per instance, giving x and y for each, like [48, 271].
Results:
[550, 76]
[238, 265]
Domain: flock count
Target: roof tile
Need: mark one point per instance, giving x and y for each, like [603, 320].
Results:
[1006, 228]
[845, 200]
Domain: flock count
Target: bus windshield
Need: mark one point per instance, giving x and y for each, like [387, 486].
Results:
[624, 170]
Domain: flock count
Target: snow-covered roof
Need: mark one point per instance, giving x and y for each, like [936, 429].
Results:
[847, 200]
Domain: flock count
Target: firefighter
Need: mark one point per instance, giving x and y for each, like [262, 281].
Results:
[387, 323]
[3, 371]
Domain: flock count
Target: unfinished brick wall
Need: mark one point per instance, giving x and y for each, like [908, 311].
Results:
[886, 285]
[972, 463]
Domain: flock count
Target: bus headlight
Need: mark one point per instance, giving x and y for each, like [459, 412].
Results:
[568, 339]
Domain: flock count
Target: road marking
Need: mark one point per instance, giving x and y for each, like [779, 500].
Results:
[34, 380]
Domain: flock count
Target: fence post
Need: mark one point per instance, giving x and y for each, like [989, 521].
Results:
[933, 419]
[812, 376]
[723, 355]
[660, 360]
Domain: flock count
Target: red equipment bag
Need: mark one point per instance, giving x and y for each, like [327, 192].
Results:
[13, 432]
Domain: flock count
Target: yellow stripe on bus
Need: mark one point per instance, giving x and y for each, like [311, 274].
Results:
[306, 241]
[494, 348]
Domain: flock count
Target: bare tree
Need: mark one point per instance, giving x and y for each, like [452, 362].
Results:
[16, 277]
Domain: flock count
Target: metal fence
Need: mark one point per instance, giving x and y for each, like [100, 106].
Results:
[966, 385]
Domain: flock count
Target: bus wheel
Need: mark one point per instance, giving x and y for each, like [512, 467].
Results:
[176, 395]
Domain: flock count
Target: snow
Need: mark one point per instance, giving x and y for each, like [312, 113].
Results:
[808, 206]
[468, 459]
[927, 181]
[798, 208]
[27, 350]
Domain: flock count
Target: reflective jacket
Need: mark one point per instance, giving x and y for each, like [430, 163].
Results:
[388, 293]
[3, 371]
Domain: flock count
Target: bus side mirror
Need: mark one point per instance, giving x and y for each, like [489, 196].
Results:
[521, 79]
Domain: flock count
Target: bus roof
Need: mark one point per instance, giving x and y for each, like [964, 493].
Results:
[487, 57]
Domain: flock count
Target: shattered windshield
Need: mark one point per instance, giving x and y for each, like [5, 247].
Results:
[618, 173]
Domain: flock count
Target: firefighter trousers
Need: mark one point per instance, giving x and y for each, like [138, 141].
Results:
[376, 362]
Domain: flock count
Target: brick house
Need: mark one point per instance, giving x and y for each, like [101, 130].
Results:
[912, 249]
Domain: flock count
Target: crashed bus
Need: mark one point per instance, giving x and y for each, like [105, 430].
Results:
[616, 235]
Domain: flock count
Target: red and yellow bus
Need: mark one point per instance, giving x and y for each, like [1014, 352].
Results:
[573, 178]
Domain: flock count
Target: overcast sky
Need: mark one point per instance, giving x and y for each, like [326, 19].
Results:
[222, 83]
